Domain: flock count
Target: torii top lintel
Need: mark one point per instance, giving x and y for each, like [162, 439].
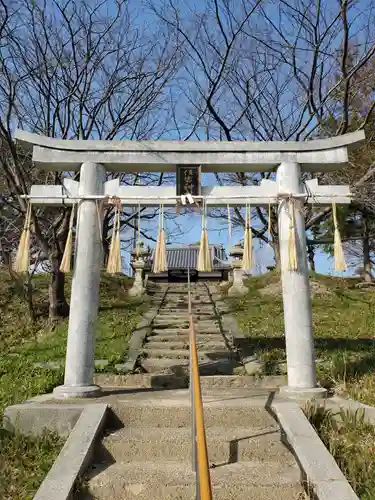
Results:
[317, 155]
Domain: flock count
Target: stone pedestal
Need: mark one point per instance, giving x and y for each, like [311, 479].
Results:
[84, 302]
[296, 291]
[137, 290]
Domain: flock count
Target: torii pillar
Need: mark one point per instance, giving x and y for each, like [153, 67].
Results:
[296, 291]
[94, 158]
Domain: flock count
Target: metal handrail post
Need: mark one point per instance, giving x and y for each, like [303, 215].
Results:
[191, 389]
[204, 481]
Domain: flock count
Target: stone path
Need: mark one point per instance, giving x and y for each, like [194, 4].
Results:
[167, 348]
[148, 455]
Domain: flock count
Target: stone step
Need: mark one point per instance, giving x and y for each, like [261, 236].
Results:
[224, 445]
[184, 307]
[176, 320]
[163, 480]
[172, 408]
[170, 331]
[203, 316]
[171, 381]
[165, 323]
[180, 367]
[183, 336]
[153, 345]
[203, 354]
[184, 311]
[237, 492]
[185, 331]
[155, 365]
[185, 301]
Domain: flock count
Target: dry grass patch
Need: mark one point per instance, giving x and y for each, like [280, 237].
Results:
[351, 441]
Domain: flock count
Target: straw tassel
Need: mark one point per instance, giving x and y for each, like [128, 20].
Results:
[229, 227]
[22, 260]
[292, 248]
[114, 264]
[204, 257]
[338, 252]
[160, 264]
[139, 231]
[66, 262]
[163, 247]
[247, 259]
[156, 262]
[269, 222]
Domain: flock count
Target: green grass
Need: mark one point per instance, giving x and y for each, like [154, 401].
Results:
[344, 332]
[23, 343]
[351, 441]
[24, 462]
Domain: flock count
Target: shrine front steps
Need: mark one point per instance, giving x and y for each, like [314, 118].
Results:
[149, 455]
[204, 355]
[184, 331]
[180, 367]
[210, 341]
[172, 321]
[162, 480]
[176, 335]
[166, 348]
[170, 381]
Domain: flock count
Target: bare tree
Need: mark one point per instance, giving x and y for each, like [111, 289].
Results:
[273, 70]
[75, 69]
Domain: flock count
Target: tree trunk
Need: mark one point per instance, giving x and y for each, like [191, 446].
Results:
[276, 250]
[367, 276]
[4, 255]
[105, 240]
[58, 306]
[28, 289]
[311, 257]
[105, 252]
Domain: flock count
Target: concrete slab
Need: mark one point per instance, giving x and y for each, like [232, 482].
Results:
[75, 455]
[34, 418]
[320, 468]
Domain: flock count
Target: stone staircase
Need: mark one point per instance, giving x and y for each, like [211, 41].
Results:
[147, 455]
[167, 348]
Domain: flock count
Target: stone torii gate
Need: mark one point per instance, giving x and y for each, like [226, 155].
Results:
[94, 158]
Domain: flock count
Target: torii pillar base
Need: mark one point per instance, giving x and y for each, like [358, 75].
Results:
[68, 391]
[301, 394]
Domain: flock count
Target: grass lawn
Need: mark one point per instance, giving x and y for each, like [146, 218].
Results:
[344, 331]
[24, 461]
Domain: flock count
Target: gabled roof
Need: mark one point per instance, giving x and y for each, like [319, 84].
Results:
[186, 257]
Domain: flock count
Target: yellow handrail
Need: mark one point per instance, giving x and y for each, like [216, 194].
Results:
[203, 472]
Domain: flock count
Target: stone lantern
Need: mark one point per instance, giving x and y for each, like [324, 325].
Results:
[139, 256]
[237, 288]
